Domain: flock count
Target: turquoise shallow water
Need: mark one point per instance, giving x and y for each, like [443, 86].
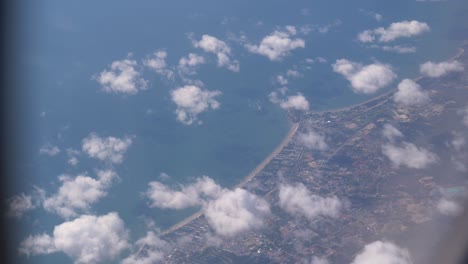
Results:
[62, 45]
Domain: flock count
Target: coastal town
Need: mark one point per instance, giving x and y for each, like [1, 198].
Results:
[383, 200]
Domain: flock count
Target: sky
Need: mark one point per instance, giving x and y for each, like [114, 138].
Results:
[131, 115]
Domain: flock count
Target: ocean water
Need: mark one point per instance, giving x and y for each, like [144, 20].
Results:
[60, 45]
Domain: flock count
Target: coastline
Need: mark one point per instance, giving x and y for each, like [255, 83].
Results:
[292, 131]
[278, 149]
[461, 50]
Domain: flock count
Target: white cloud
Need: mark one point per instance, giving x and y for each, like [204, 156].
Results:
[157, 62]
[383, 253]
[408, 155]
[188, 64]
[192, 101]
[78, 193]
[37, 245]
[295, 102]
[464, 113]
[278, 44]
[434, 70]
[19, 204]
[228, 212]
[109, 149]
[458, 141]
[459, 164]
[281, 80]
[322, 29]
[293, 73]
[378, 17]
[391, 133]
[162, 196]
[410, 93]
[298, 200]
[87, 239]
[398, 49]
[449, 207]
[50, 150]
[312, 140]
[218, 47]
[72, 159]
[366, 36]
[365, 79]
[236, 211]
[122, 77]
[151, 250]
[317, 260]
[403, 29]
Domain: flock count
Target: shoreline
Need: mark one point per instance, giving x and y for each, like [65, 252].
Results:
[292, 131]
[460, 52]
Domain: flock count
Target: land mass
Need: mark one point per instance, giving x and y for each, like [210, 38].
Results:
[386, 201]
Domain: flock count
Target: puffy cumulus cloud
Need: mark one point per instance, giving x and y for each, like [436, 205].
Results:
[434, 70]
[162, 196]
[218, 47]
[403, 29]
[49, 150]
[294, 102]
[151, 250]
[228, 212]
[312, 140]
[192, 101]
[79, 193]
[448, 207]
[19, 204]
[72, 159]
[281, 80]
[365, 79]
[110, 149]
[157, 62]
[450, 203]
[278, 44]
[87, 239]
[298, 200]
[37, 245]
[123, 77]
[236, 211]
[390, 132]
[407, 154]
[188, 64]
[382, 253]
[410, 93]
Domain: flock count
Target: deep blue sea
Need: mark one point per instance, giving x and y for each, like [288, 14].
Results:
[60, 45]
